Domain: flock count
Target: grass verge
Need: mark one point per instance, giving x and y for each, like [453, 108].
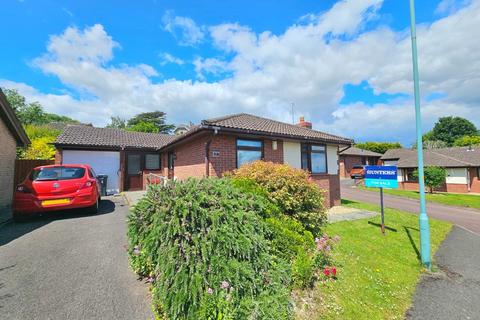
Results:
[452, 199]
[377, 274]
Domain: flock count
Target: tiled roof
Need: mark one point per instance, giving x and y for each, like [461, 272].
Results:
[80, 135]
[354, 151]
[251, 123]
[444, 157]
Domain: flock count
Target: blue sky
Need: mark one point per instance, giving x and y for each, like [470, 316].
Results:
[341, 63]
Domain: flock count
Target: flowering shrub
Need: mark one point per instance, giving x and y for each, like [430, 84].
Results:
[308, 266]
[203, 244]
[290, 189]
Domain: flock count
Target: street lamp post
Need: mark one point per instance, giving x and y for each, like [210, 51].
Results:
[423, 217]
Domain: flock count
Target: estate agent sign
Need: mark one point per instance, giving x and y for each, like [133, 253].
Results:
[381, 177]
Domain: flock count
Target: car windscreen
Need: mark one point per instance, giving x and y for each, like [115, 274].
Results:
[357, 167]
[57, 173]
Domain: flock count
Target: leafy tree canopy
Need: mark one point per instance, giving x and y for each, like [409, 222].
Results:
[117, 123]
[448, 129]
[32, 112]
[380, 147]
[150, 122]
[434, 177]
[466, 141]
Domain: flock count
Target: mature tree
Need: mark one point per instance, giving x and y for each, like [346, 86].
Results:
[41, 147]
[448, 129]
[32, 113]
[466, 141]
[431, 144]
[117, 123]
[380, 147]
[150, 122]
[144, 127]
[38, 126]
[434, 177]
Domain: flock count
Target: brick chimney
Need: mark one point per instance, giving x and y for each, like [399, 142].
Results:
[304, 123]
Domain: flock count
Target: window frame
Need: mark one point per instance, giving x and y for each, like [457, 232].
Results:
[159, 161]
[247, 148]
[306, 148]
[171, 160]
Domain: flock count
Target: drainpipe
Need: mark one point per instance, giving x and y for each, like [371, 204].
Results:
[207, 152]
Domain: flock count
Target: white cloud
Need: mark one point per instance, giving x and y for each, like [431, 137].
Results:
[183, 28]
[167, 58]
[308, 64]
[212, 66]
[450, 6]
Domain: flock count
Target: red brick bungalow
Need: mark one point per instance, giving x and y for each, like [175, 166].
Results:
[356, 157]
[210, 149]
[461, 163]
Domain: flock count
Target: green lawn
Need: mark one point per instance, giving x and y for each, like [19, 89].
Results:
[452, 199]
[377, 274]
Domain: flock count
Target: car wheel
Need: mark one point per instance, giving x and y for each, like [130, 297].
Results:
[95, 208]
[17, 217]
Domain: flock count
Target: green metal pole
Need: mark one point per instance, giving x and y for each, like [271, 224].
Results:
[423, 217]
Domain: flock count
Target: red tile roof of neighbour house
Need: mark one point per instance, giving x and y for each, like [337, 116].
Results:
[254, 124]
[87, 136]
[455, 157]
[354, 151]
[11, 121]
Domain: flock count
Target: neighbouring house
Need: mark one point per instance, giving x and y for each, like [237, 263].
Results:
[182, 128]
[210, 149]
[12, 136]
[354, 156]
[461, 163]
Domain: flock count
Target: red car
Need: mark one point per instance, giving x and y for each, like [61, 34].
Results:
[56, 187]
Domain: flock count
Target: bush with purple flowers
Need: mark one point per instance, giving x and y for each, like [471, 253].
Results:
[205, 247]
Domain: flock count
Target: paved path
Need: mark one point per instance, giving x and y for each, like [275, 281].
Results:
[454, 291]
[73, 267]
[463, 217]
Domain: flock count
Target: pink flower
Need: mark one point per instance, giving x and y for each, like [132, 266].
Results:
[136, 250]
[150, 279]
[336, 238]
[224, 285]
[210, 291]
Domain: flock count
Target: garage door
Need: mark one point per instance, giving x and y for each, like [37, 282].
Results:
[103, 162]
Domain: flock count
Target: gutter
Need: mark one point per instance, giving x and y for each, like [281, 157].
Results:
[207, 151]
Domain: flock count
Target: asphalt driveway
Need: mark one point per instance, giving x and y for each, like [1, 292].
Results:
[465, 218]
[70, 266]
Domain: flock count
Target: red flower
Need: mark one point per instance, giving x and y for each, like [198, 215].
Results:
[326, 271]
[334, 271]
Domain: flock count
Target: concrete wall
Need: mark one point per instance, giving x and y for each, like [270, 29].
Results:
[7, 167]
[332, 159]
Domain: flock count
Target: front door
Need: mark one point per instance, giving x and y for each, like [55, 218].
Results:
[134, 172]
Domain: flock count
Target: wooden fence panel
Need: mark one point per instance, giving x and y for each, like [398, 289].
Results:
[23, 167]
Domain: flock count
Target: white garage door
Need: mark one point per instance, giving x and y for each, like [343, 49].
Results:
[103, 162]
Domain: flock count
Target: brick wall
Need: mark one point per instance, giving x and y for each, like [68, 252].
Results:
[58, 156]
[346, 164]
[474, 181]
[226, 161]
[190, 159]
[331, 184]
[7, 168]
